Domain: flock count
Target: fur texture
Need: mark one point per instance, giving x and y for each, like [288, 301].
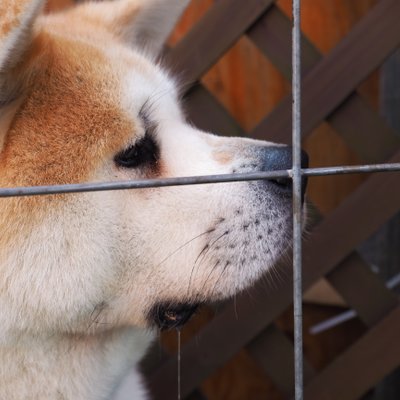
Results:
[80, 274]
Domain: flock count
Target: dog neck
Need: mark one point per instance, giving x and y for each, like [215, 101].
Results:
[70, 366]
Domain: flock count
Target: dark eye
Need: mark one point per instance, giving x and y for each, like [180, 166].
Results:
[143, 153]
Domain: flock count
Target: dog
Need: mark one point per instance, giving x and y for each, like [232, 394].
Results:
[87, 279]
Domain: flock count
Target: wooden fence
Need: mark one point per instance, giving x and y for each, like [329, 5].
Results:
[329, 94]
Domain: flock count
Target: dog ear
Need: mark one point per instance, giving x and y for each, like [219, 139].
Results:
[17, 18]
[143, 24]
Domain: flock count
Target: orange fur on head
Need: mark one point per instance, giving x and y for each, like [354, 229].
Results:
[70, 106]
[58, 5]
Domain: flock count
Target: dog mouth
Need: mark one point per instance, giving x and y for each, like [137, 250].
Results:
[172, 315]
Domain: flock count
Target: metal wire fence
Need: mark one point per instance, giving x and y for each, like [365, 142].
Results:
[191, 180]
[297, 203]
[296, 173]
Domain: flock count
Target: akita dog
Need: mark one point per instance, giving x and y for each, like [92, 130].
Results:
[86, 278]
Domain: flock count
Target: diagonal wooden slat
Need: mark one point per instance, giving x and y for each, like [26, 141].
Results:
[362, 128]
[213, 35]
[362, 290]
[354, 119]
[361, 366]
[272, 35]
[378, 197]
[330, 82]
[208, 114]
[274, 353]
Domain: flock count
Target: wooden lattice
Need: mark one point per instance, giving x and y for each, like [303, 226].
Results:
[329, 94]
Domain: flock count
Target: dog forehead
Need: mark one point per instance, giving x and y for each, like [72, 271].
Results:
[137, 79]
[71, 117]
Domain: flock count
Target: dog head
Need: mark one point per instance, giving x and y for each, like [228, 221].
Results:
[81, 99]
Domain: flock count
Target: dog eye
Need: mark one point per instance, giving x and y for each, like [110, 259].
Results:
[143, 153]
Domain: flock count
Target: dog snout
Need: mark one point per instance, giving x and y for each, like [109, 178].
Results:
[275, 158]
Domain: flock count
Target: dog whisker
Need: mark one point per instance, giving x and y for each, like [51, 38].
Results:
[220, 276]
[95, 314]
[185, 244]
[209, 247]
[203, 252]
[209, 276]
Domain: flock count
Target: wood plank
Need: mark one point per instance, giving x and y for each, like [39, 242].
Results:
[208, 114]
[213, 35]
[362, 289]
[272, 34]
[334, 78]
[378, 198]
[361, 366]
[274, 353]
[353, 268]
[362, 128]
[354, 221]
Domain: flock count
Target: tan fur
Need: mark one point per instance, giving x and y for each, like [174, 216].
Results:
[79, 124]
[10, 16]
[223, 157]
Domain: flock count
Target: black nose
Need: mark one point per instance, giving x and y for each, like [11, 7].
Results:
[275, 158]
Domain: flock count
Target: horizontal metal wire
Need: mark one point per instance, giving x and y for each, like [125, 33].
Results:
[352, 169]
[190, 180]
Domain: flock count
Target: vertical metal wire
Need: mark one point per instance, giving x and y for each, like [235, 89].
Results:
[297, 205]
